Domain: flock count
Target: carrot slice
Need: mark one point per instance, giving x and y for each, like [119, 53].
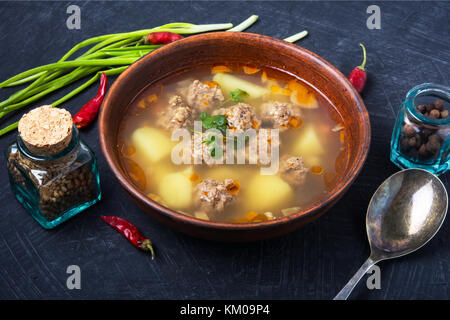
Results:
[142, 104]
[260, 217]
[286, 92]
[250, 70]
[294, 85]
[217, 69]
[264, 77]
[233, 188]
[136, 174]
[211, 84]
[152, 98]
[342, 136]
[274, 88]
[251, 215]
[127, 151]
[295, 122]
[194, 177]
[318, 170]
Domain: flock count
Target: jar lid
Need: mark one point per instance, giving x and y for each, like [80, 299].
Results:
[46, 130]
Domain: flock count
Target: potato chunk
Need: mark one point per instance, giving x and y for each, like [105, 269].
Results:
[267, 191]
[176, 190]
[230, 83]
[309, 144]
[152, 143]
[309, 147]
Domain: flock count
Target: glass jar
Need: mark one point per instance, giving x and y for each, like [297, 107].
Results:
[419, 140]
[54, 188]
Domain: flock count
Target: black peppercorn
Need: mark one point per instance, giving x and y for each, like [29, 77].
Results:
[408, 130]
[439, 105]
[435, 114]
[421, 108]
[429, 107]
[433, 146]
[423, 150]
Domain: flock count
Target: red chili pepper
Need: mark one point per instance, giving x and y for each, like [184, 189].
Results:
[162, 37]
[129, 231]
[358, 75]
[89, 111]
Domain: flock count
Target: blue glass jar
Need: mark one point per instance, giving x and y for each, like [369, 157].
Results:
[421, 139]
[54, 188]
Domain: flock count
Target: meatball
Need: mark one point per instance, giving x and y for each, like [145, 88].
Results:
[202, 150]
[258, 154]
[202, 97]
[181, 118]
[213, 196]
[176, 102]
[202, 154]
[177, 115]
[293, 170]
[240, 117]
[281, 115]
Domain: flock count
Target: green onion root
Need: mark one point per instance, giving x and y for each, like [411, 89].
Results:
[245, 24]
[296, 36]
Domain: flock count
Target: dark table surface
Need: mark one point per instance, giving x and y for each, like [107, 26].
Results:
[412, 47]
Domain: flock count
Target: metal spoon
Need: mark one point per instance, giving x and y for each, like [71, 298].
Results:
[404, 213]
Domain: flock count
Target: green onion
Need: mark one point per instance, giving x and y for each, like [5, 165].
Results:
[87, 84]
[70, 64]
[296, 36]
[245, 24]
[111, 54]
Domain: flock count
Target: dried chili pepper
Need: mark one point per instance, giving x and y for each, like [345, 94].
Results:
[162, 37]
[358, 76]
[89, 111]
[130, 232]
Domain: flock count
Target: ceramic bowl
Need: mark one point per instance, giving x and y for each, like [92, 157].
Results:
[220, 47]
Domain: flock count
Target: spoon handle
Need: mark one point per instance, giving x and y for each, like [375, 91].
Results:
[345, 292]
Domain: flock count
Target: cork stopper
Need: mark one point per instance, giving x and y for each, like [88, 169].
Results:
[46, 130]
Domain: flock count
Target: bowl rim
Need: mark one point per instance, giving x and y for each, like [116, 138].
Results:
[331, 197]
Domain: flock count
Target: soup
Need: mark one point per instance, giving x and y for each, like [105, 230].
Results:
[294, 126]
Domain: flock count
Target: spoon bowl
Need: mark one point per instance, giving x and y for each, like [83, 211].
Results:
[405, 212]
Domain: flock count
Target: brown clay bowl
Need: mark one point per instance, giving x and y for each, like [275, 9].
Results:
[222, 47]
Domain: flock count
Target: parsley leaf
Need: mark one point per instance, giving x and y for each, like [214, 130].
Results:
[218, 122]
[238, 94]
[214, 146]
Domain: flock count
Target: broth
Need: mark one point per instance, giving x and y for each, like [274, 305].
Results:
[314, 132]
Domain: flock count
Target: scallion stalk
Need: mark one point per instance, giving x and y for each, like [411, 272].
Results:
[245, 24]
[296, 36]
[114, 51]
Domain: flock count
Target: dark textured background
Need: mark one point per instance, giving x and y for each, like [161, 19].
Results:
[412, 47]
